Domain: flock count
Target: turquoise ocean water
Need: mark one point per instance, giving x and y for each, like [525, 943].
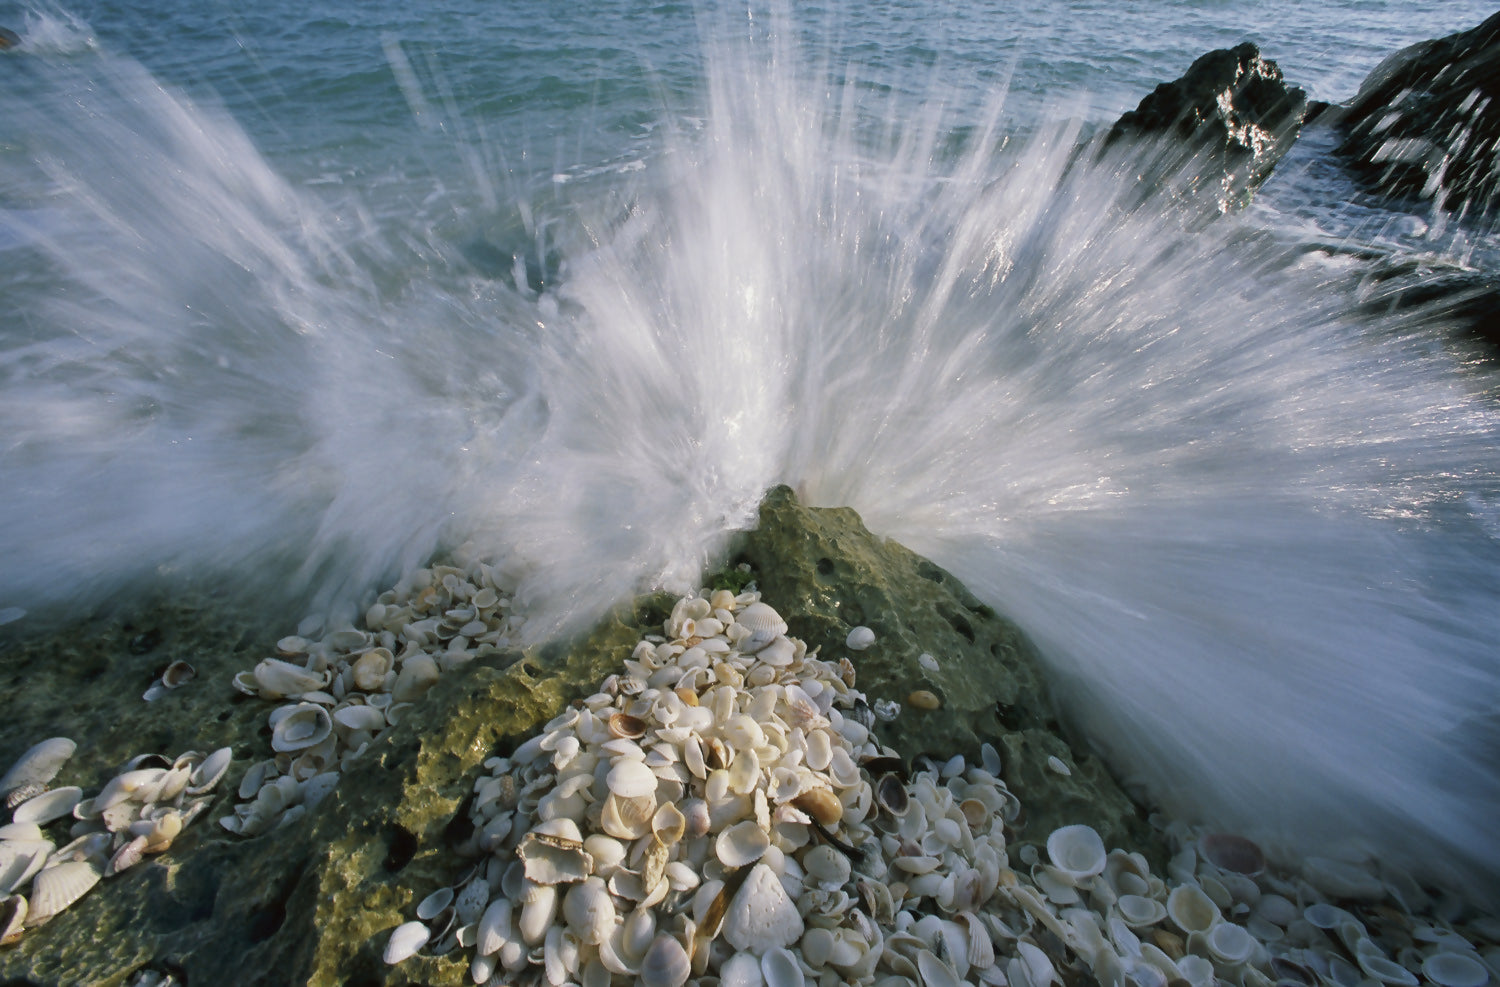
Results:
[296, 294]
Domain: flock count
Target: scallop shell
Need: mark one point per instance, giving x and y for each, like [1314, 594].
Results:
[589, 911]
[39, 765]
[406, 939]
[296, 728]
[1077, 852]
[48, 806]
[55, 888]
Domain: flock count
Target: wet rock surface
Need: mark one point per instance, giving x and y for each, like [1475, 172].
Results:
[1232, 116]
[314, 901]
[1426, 122]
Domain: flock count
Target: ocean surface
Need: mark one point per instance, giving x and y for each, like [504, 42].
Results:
[296, 295]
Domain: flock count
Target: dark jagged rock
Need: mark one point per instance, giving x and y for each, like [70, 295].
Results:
[1231, 113]
[313, 902]
[1426, 123]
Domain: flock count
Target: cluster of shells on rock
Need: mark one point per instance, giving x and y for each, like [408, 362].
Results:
[718, 813]
[138, 813]
[341, 692]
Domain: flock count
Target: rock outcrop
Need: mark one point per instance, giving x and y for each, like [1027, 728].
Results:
[313, 902]
[1426, 123]
[1227, 121]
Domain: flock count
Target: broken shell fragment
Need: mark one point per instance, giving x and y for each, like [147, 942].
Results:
[761, 916]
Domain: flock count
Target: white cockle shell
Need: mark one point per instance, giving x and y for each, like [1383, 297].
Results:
[277, 679]
[1077, 852]
[630, 779]
[39, 765]
[55, 888]
[665, 964]
[406, 939]
[589, 911]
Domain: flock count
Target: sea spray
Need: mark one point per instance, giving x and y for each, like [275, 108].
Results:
[1253, 535]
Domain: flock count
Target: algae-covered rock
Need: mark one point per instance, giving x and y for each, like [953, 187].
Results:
[828, 574]
[314, 901]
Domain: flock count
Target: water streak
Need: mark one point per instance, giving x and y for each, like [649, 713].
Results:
[1253, 535]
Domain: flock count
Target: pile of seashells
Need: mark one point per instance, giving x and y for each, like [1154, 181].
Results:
[138, 813]
[718, 813]
[345, 690]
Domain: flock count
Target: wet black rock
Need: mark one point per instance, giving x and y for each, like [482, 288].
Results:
[1232, 117]
[1426, 123]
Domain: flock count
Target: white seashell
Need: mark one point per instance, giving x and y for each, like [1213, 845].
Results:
[359, 717]
[1077, 852]
[371, 668]
[469, 903]
[589, 911]
[299, 727]
[761, 916]
[827, 866]
[928, 662]
[1454, 970]
[206, 776]
[1380, 968]
[631, 779]
[277, 679]
[1139, 911]
[12, 919]
[554, 858]
[743, 843]
[432, 906]
[538, 909]
[20, 859]
[859, 638]
[418, 673]
[406, 939]
[138, 785]
[665, 964]
[1231, 944]
[494, 927]
[778, 652]
[627, 818]
[1191, 909]
[936, 973]
[742, 970]
[21, 832]
[55, 888]
[761, 620]
[779, 968]
[39, 765]
[48, 806]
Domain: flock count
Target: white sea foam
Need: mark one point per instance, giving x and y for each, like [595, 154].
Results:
[1252, 534]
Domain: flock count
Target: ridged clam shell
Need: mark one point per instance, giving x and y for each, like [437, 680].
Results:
[630, 779]
[406, 939]
[39, 765]
[55, 888]
[48, 806]
[12, 919]
[589, 911]
[19, 860]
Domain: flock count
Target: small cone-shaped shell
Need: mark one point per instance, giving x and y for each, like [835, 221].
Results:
[404, 942]
[761, 916]
[1077, 851]
[55, 888]
[39, 765]
[665, 964]
[589, 911]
